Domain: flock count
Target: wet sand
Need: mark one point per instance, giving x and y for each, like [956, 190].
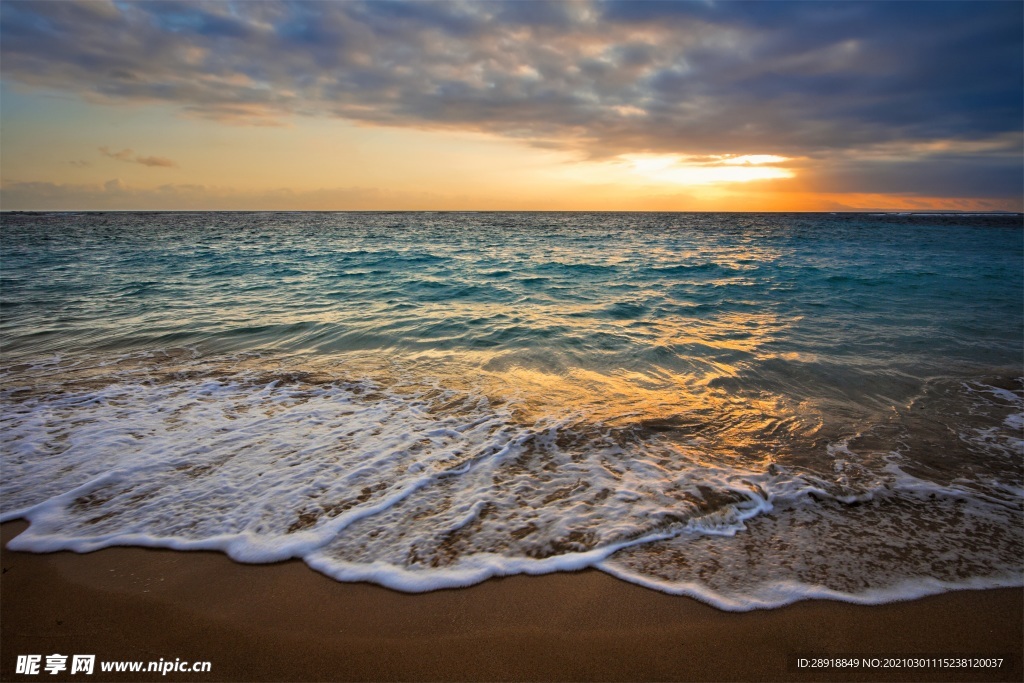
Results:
[286, 622]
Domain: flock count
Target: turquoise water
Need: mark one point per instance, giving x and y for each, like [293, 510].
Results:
[749, 408]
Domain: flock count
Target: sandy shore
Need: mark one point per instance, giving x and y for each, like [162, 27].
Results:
[286, 622]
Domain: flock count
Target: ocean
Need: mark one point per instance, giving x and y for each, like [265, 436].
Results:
[750, 409]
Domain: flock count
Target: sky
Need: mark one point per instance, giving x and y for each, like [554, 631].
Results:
[621, 106]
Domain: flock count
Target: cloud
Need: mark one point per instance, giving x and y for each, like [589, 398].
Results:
[155, 161]
[129, 156]
[944, 175]
[123, 155]
[117, 195]
[820, 81]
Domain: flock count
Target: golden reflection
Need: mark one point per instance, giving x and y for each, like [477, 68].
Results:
[670, 368]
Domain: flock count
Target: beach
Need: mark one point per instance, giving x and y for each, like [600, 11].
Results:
[285, 622]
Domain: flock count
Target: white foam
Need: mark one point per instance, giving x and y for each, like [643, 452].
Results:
[426, 489]
[780, 593]
[862, 554]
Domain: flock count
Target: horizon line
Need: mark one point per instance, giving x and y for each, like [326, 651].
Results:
[841, 211]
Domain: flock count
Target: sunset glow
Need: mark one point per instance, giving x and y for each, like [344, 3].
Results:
[676, 170]
[525, 105]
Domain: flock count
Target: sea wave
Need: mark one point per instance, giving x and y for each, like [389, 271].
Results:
[419, 486]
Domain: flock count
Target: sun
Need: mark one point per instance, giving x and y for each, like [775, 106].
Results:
[679, 169]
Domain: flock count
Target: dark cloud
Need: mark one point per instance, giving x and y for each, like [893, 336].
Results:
[939, 175]
[808, 79]
[190, 19]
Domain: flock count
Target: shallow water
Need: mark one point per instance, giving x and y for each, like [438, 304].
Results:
[748, 408]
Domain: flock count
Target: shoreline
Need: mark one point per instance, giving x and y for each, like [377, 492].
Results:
[287, 622]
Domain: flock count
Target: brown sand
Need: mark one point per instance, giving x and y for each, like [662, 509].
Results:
[286, 622]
